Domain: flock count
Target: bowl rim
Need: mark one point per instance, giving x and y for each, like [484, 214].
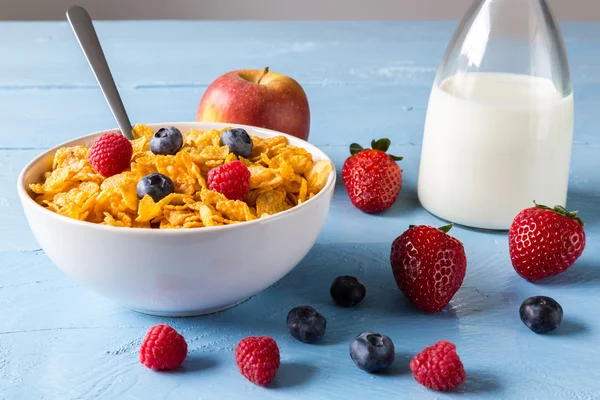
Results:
[26, 198]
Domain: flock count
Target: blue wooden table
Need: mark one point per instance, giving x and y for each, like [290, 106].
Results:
[364, 80]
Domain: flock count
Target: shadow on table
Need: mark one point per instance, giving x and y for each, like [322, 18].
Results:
[196, 362]
[478, 382]
[570, 327]
[578, 274]
[401, 366]
[292, 374]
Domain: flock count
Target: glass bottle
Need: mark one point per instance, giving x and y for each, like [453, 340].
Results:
[499, 125]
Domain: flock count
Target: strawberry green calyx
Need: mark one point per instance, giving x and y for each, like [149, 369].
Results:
[562, 211]
[446, 228]
[381, 145]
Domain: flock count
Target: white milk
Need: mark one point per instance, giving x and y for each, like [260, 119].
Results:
[494, 143]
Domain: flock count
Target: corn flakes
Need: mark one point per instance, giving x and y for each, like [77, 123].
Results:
[282, 176]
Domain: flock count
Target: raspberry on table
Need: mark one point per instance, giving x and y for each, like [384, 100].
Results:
[110, 154]
[258, 359]
[231, 179]
[438, 367]
[163, 348]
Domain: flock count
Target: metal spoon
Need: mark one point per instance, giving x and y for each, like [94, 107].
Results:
[88, 40]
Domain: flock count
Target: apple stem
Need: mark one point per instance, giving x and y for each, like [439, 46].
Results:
[266, 71]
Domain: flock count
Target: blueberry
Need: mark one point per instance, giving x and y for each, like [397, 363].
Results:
[372, 351]
[166, 141]
[157, 186]
[347, 291]
[306, 324]
[541, 314]
[238, 140]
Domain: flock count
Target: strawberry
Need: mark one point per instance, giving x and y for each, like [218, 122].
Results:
[544, 242]
[372, 177]
[429, 266]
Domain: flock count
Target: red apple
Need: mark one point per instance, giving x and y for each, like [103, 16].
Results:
[259, 98]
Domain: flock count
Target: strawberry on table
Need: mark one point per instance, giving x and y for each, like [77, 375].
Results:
[372, 177]
[545, 241]
[429, 266]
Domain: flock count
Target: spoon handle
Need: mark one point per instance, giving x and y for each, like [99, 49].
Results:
[88, 40]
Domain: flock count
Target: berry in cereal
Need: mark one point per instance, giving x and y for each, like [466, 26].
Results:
[166, 141]
[238, 141]
[157, 186]
[231, 179]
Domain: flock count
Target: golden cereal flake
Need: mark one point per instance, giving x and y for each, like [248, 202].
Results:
[235, 210]
[271, 202]
[210, 216]
[318, 176]
[141, 130]
[74, 158]
[148, 209]
[125, 183]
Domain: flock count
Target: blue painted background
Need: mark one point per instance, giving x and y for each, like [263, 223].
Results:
[364, 80]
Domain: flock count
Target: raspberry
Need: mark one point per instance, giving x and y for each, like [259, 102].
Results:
[231, 179]
[163, 348]
[438, 367]
[258, 359]
[110, 154]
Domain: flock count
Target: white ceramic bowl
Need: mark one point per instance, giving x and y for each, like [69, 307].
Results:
[179, 272]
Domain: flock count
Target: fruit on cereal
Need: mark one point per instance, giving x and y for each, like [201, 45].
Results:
[372, 177]
[544, 242]
[259, 98]
[231, 179]
[372, 351]
[110, 154]
[166, 141]
[282, 176]
[257, 358]
[155, 185]
[439, 367]
[541, 314]
[347, 291]
[429, 266]
[238, 141]
[306, 324]
[163, 348]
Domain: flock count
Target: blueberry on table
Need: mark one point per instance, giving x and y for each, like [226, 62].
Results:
[541, 314]
[166, 141]
[238, 140]
[306, 324]
[347, 291]
[372, 351]
[157, 186]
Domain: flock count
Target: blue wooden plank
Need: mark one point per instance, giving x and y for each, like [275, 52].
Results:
[364, 80]
[339, 114]
[180, 53]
